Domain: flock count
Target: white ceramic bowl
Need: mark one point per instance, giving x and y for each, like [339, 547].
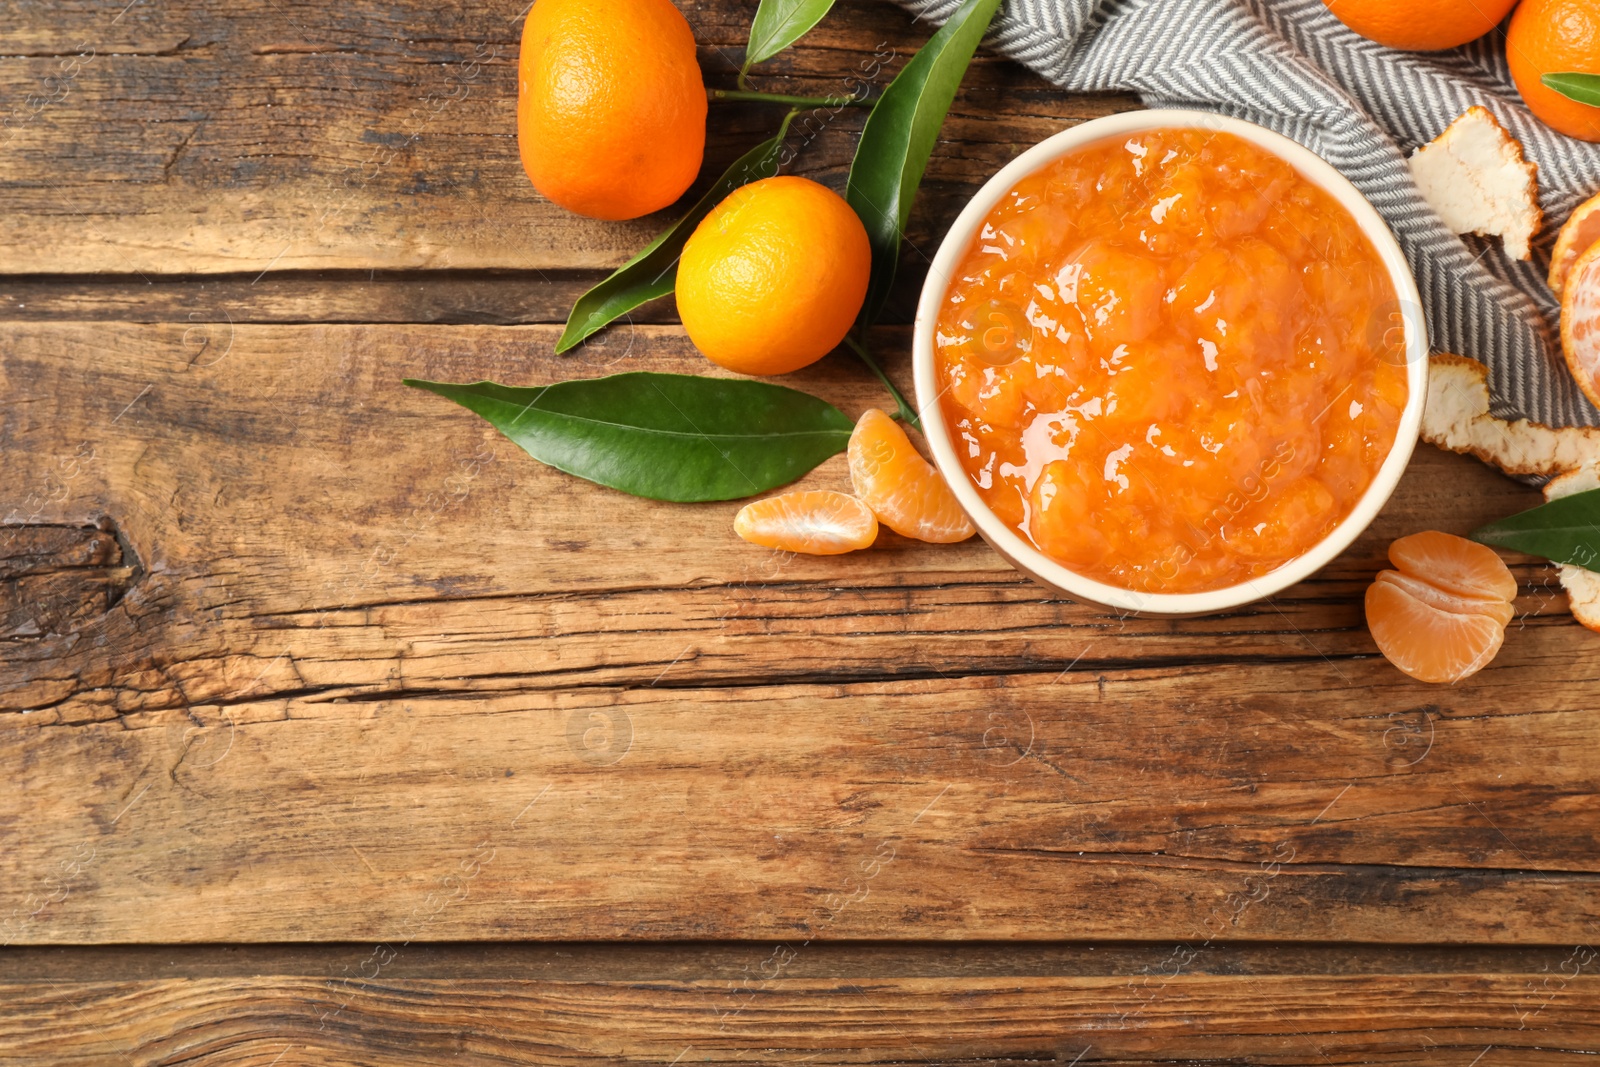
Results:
[1018, 550]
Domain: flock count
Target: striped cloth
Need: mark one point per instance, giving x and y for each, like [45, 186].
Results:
[1294, 68]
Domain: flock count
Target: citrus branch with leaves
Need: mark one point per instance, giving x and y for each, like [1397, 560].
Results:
[619, 431]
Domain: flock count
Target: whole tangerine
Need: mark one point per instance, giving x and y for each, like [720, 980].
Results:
[611, 106]
[773, 278]
[1556, 37]
[1421, 25]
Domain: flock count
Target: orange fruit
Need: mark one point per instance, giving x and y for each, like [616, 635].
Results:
[1442, 614]
[611, 107]
[772, 279]
[1578, 234]
[1556, 37]
[1421, 25]
[817, 522]
[903, 490]
[1580, 322]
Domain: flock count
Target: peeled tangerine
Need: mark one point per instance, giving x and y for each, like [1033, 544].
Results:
[817, 522]
[1580, 322]
[1575, 278]
[1441, 615]
[904, 490]
[1577, 236]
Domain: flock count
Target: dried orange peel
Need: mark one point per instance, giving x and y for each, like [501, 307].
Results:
[1457, 419]
[1475, 176]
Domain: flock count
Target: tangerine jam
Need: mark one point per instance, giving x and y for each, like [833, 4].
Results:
[1168, 360]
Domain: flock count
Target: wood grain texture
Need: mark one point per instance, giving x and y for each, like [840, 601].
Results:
[365, 642]
[285, 134]
[602, 813]
[58, 580]
[291, 656]
[734, 961]
[274, 1021]
[995, 1003]
[497, 298]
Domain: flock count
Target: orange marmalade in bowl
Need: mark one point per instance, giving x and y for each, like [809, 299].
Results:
[1168, 361]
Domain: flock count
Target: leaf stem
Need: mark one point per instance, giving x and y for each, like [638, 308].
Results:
[724, 95]
[906, 413]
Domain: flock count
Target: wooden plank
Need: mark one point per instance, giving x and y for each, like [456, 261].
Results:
[190, 424]
[338, 684]
[304, 983]
[58, 580]
[178, 435]
[734, 961]
[1293, 1020]
[288, 652]
[1196, 803]
[183, 137]
[497, 298]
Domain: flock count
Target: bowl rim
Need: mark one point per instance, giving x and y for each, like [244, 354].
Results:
[1019, 552]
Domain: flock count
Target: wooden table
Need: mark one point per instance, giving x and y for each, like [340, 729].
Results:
[337, 731]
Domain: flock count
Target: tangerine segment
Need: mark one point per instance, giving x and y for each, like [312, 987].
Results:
[1454, 565]
[817, 522]
[1578, 234]
[901, 487]
[1580, 323]
[1499, 610]
[1429, 644]
[1171, 361]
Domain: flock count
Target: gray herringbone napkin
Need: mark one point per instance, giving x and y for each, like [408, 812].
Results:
[1294, 68]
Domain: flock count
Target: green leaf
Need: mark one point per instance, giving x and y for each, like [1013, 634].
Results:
[653, 272]
[899, 137]
[1566, 530]
[1584, 88]
[779, 24]
[664, 436]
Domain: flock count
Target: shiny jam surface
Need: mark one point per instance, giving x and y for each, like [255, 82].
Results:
[1171, 362]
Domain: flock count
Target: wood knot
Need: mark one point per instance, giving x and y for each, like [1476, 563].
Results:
[56, 580]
